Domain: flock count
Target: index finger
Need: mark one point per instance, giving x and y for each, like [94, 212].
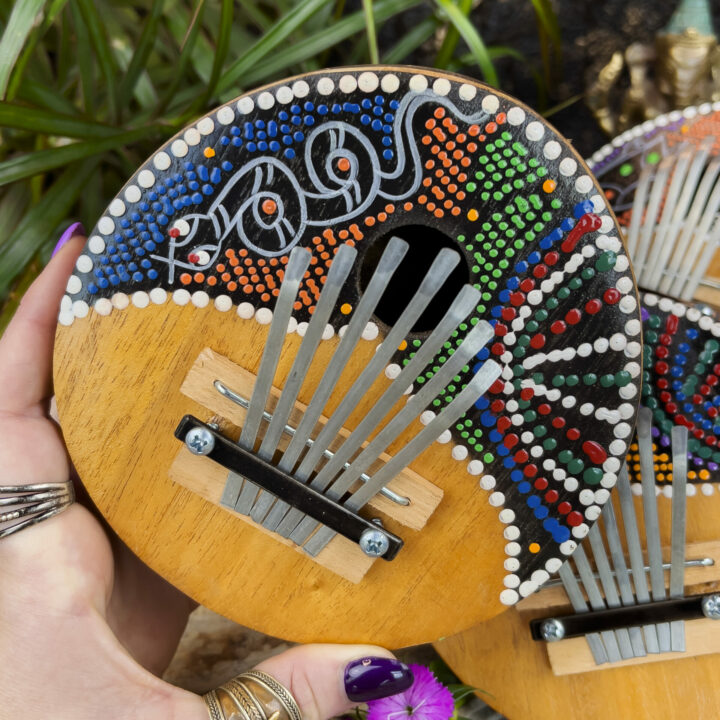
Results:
[27, 344]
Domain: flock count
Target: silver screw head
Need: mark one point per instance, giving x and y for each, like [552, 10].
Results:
[200, 441]
[552, 630]
[374, 543]
[711, 606]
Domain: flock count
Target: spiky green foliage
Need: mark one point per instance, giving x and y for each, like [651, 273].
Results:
[89, 88]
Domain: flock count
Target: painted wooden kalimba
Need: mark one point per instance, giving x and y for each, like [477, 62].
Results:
[655, 555]
[663, 181]
[354, 357]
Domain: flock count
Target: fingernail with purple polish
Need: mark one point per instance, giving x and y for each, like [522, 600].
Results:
[75, 229]
[371, 678]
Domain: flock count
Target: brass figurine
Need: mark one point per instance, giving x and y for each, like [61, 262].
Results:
[683, 68]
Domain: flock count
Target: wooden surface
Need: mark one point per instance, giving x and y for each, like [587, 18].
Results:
[341, 556]
[501, 658]
[444, 580]
[198, 386]
[209, 221]
[515, 678]
[573, 656]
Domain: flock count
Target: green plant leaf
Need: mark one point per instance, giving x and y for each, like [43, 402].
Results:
[41, 161]
[548, 19]
[279, 32]
[142, 52]
[410, 42]
[45, 97]
[51, 123]
[12, 207]
[101, 47]
[35, 229]
[370, 30]
[221, 49]
[187, 47]
[22, 19]
[51, 12]
[320, 41]
[86, 61]
[449, 44]
[470, 35]
[256, 15]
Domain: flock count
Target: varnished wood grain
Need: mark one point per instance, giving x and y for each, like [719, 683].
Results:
[198, 385]
[445, 579]
[573, 656]
[515, 678]
[341, 556]
[500, 657]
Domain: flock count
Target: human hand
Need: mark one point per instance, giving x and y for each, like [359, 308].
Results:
[85, 626]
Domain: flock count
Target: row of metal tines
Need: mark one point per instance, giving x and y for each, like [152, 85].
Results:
[347, 469]
[611, 583]
[674, 229]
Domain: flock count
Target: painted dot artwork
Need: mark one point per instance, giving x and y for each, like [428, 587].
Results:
[681, 367]
[618, 165]
[354, 156]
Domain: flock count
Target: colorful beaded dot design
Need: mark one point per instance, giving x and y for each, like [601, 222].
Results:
[347, 156]
[617, 165]
[681, 367]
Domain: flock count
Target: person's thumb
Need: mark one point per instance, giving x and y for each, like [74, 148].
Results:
[327, 680]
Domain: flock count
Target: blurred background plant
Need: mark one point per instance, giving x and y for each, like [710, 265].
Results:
[89, 88]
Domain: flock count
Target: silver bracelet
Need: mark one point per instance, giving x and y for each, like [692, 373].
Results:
[22, 506]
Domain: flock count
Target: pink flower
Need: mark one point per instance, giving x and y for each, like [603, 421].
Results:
[425, 699]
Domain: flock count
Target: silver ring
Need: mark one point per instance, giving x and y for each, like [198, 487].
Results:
[22, 506]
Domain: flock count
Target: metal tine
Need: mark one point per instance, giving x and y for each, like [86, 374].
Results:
[389, 263]
[637, 563]
[690, 242]
[612, 599]
[464, 303]
[577, 600]
[470, 346]
[294, 271]
[482, 380]
[663, 242]
[636, 220]
[596, 602]
[288, 430]
[677, 559]
[657, 193]
[712, 239]
[652, 524]
[621, 573]
[694, 177]
[339, 270]
[442, 266]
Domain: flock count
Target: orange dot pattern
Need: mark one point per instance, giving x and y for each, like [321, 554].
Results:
[447, 171]
[383, 215]
[662, 466]
[323, 247]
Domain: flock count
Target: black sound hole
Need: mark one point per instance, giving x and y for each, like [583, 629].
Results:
[424, 245]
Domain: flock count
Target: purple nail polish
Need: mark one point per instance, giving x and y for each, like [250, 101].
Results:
[371, 678]
[75, 229]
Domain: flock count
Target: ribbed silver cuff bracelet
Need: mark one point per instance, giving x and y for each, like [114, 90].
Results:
[24, 505]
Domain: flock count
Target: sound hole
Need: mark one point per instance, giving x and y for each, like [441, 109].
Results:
[425, 243]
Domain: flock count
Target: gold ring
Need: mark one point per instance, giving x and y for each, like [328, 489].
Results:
[278, 690]
[253, 695]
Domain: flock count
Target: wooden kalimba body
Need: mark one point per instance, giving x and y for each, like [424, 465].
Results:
[409, 269]
[633, 676]
[661, 668]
